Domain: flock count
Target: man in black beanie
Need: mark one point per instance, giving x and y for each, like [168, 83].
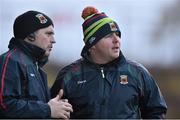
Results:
[24, 91]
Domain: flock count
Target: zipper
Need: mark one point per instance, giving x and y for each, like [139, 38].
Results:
[102, 72]
[40, 80]
[103, 101]
[37, 66]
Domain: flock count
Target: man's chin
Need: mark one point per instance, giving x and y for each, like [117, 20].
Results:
[47, 54]
[116, 55]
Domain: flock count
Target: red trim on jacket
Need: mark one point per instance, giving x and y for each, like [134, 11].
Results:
[2, 79]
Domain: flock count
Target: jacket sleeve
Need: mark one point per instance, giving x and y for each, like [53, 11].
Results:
[12, 103]
[59, 83]
[153, 105]
[63, 75]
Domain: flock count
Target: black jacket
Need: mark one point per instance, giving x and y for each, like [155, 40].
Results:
[119, 89]
[23, 84]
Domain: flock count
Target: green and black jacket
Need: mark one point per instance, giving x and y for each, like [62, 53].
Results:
[119, 89]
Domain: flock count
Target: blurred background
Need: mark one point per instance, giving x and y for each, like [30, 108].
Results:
[150, 35]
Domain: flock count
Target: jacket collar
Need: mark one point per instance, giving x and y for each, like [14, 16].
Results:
[36, 53]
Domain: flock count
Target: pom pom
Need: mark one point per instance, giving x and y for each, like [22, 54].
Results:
[88, 11]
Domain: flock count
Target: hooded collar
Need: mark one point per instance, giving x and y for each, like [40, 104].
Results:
[36, 53]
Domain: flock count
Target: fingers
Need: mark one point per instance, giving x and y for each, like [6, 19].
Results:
[66, 109]
[67, 104]
[64, 100]
[59, 96]
[61, 93]
[69, 109]
[66, 113]
[56, 98]
[60, 108]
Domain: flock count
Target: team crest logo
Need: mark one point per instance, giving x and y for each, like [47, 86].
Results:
[42, 18]
[113, 26]
[123, 79]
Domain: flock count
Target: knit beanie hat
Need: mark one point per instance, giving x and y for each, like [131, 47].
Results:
[96, 26]
[30, 22]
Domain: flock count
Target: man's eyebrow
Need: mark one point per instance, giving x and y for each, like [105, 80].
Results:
[50, 32]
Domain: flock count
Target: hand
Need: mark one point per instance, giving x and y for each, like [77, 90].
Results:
[60, 108]
[60, 96]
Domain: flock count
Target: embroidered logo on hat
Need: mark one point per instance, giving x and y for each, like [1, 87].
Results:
[123, 79]
[96, 25]
[42, 18]
[92, 39]
[113, 26]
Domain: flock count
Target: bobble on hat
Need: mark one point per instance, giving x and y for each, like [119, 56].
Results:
[96, 26]
[30, 22]
[89, 11]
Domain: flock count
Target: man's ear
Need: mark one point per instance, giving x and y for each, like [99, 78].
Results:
[92, 49]
[30, 38]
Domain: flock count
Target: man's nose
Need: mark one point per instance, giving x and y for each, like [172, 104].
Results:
[115, 38]
[53, 40]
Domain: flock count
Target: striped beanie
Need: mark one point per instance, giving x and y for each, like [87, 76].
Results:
[96, 26]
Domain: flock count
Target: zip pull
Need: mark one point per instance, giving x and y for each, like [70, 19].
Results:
[102, 73]
[37, 65]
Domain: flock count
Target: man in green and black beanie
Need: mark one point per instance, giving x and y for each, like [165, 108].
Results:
[103, 83]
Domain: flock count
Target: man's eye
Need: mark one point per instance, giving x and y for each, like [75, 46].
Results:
[117, 33]
[109, 35]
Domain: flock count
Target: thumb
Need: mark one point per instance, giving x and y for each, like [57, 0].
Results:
[60, 93]
[57, 97]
